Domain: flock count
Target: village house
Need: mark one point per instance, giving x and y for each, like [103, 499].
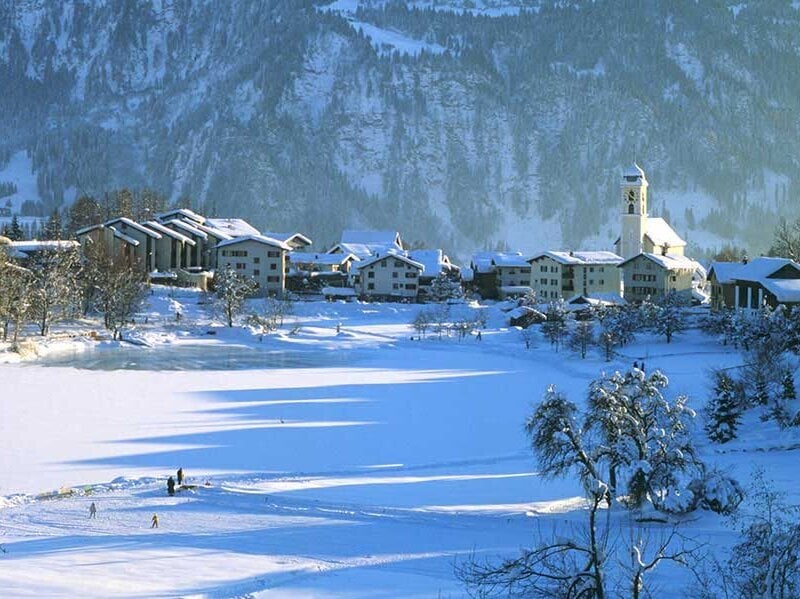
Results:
[650, 276]
[388, 276]
[296, 241]
[435, 263]
[122, 236]
[721, 284]
[309, 272]
[261, 258]
[751, 285]
[499, 274]
[365, 244]
[173, 250]
[564, 275]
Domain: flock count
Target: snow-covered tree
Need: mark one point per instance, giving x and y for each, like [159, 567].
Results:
[440, 317]
[15, 297]
[444, 288]
[528, 336]
[668, 317]
[645, 440]
[765, 563]
[422, 322]
[115, 287]
[721, 324]
[557, 324]
[723, 411]
[582, 337]
[530, 299]
[232, 290]
[55, 288]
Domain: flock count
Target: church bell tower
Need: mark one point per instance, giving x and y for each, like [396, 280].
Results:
[634, 212]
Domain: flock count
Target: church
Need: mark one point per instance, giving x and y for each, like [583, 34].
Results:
[640, 232]
[653, 253]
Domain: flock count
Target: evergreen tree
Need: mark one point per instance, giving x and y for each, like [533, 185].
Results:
[444, 288]
[724, 409]
[53, 229]
[84, 212]
[14, 232]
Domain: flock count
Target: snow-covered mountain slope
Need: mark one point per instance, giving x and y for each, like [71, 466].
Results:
[460, 123]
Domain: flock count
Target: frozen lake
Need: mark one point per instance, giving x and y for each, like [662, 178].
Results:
[202, 356]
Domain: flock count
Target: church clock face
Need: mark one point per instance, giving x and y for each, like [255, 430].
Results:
[631, 201]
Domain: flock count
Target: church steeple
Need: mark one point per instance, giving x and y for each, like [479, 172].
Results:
[634, 211]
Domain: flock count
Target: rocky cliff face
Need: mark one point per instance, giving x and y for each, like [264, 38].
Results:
[460, 123]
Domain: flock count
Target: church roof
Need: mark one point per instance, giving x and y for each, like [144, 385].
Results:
[661, 234]
[634, 170]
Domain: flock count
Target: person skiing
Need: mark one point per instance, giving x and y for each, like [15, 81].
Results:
[154, 521]
[171, 486]
[180, 476]
[93, 511]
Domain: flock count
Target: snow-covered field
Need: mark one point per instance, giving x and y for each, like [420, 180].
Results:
[358, 463]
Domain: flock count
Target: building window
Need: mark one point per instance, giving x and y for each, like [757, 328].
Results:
[398, 264]
[395, 274]
[273, 266]
[370, 286]
[554, 281]
[524, 270]
[383, 263]
[273, 279]
[411, 286]
[371, 274]
[411, 275]
[602, 281]
[256, 260]
[591, 281]
[395, 285]
[256, 272]
[241, 266]
[273, 254]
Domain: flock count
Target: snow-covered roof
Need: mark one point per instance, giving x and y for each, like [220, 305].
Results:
[170, 232]
[126, 238]
[133, 225]
[396, 255]
[235, 227]
[634, 170]
[483, 262]
[761, 268]
[510, 261]
[218, 233]
[85, 230]
[661, 234]
[290, 238]
[325, 259]
[725, 271]
[597, 299]
[34, 245]
[181, 212]
[515, 289]
[189, 228]
[581, 257]
[434, 261]
[387, 238]
[339, 291]
[257, 238]
[786, 291]
[668, 261]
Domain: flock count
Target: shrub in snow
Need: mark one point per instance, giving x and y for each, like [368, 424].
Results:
[718, 492]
